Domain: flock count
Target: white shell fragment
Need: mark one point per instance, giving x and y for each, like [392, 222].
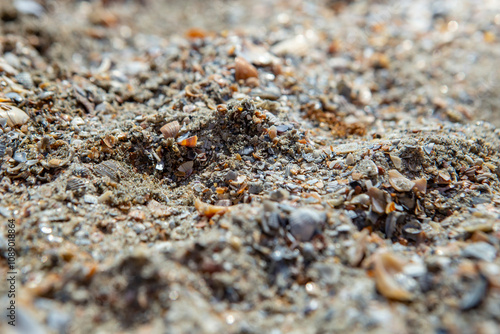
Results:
[400, 182]
[13, 115]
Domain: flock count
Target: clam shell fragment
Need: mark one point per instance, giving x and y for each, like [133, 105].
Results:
[399, 182]
[13, 115]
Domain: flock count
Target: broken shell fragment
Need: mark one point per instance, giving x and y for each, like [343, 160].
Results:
[385, 266]
[210, 210]
[396, 161]
[189, 142]
[13, 115]
[171, 129]
[109, 168]
[186, 168]
[110, 141]
[273, 132]
[399, 182]
[244, 69]
[367, 168]
[421, 185]
[379, 201]
[443, 178]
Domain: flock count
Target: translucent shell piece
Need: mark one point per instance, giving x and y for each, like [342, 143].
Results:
[189, 142]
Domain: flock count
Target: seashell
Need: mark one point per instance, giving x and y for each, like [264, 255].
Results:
[421, 185]
[222, 108]
[109, 168]
[390, 207]
[209, 210]
[110, 141]
[367, 168]
[158, 210]
[273, 132]
[54, 163]
[193, 91]
[244, 70]
[76, 184]
[361, 199]
[396, 161]
[304, 223]
[14, 115]
[385, 266]
[186, 168]
[347, 148]
[412, 230]
[189, 142]
[400, 182]
[170, 130]
[15, 97]
[443, 178]
[378, 198]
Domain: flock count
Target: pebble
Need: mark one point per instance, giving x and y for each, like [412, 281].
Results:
[304, 222]
[255, 187]
[244, 70]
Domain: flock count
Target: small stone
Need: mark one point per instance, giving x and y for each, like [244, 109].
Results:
[255, 187]
[304, 222]
[231, 175]
[137, 215]
[90, 199]
[279, 195]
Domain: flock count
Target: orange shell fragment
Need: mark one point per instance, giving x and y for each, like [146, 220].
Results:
[209, 210]
[189, 142]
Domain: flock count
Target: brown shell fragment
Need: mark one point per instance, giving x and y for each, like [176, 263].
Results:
[186, 168]
[209, 210]
[273, 132]
[110, 141]
[170, 130]
[443, 178]
[244, 69]
[385, 266]
[399, 182]
[421, 185]
[14, 115]
[378, 199]
[189, 142]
